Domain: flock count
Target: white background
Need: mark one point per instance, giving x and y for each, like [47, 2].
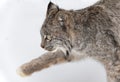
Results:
[20, 23]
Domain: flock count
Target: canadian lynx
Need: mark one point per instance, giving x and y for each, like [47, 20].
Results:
[71, 35]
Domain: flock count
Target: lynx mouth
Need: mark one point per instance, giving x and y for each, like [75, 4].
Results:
[50, 48]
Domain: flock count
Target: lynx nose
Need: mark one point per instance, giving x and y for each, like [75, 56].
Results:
[42, 45]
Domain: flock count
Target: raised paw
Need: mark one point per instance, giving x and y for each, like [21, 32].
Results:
[21, 73]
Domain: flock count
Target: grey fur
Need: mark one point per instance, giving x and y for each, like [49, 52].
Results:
[71, 35]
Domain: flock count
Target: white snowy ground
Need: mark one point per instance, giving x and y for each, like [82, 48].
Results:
[20, 22]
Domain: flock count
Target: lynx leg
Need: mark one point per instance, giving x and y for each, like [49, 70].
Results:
[42, 62]
[109, 79]
[111, 76]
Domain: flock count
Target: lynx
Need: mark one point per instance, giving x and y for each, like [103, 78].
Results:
[71, 35]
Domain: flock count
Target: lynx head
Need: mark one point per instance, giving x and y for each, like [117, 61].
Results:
[55, 31]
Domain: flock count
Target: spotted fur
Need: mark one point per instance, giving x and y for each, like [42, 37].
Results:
[71, 35]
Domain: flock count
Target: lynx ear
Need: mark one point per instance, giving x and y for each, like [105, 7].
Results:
[52, 6]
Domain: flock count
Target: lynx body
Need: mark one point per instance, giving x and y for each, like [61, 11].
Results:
[71, 35]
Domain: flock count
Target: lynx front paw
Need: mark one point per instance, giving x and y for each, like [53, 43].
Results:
[21, 73]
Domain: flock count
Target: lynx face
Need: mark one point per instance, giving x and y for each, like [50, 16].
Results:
[55, 29]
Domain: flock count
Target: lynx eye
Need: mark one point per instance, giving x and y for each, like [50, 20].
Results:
[47, 37]
[44, 37]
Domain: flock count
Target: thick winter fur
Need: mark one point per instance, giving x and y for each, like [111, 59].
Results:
[70, 35]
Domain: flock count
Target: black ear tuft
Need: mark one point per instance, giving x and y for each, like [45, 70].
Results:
[52, 6]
